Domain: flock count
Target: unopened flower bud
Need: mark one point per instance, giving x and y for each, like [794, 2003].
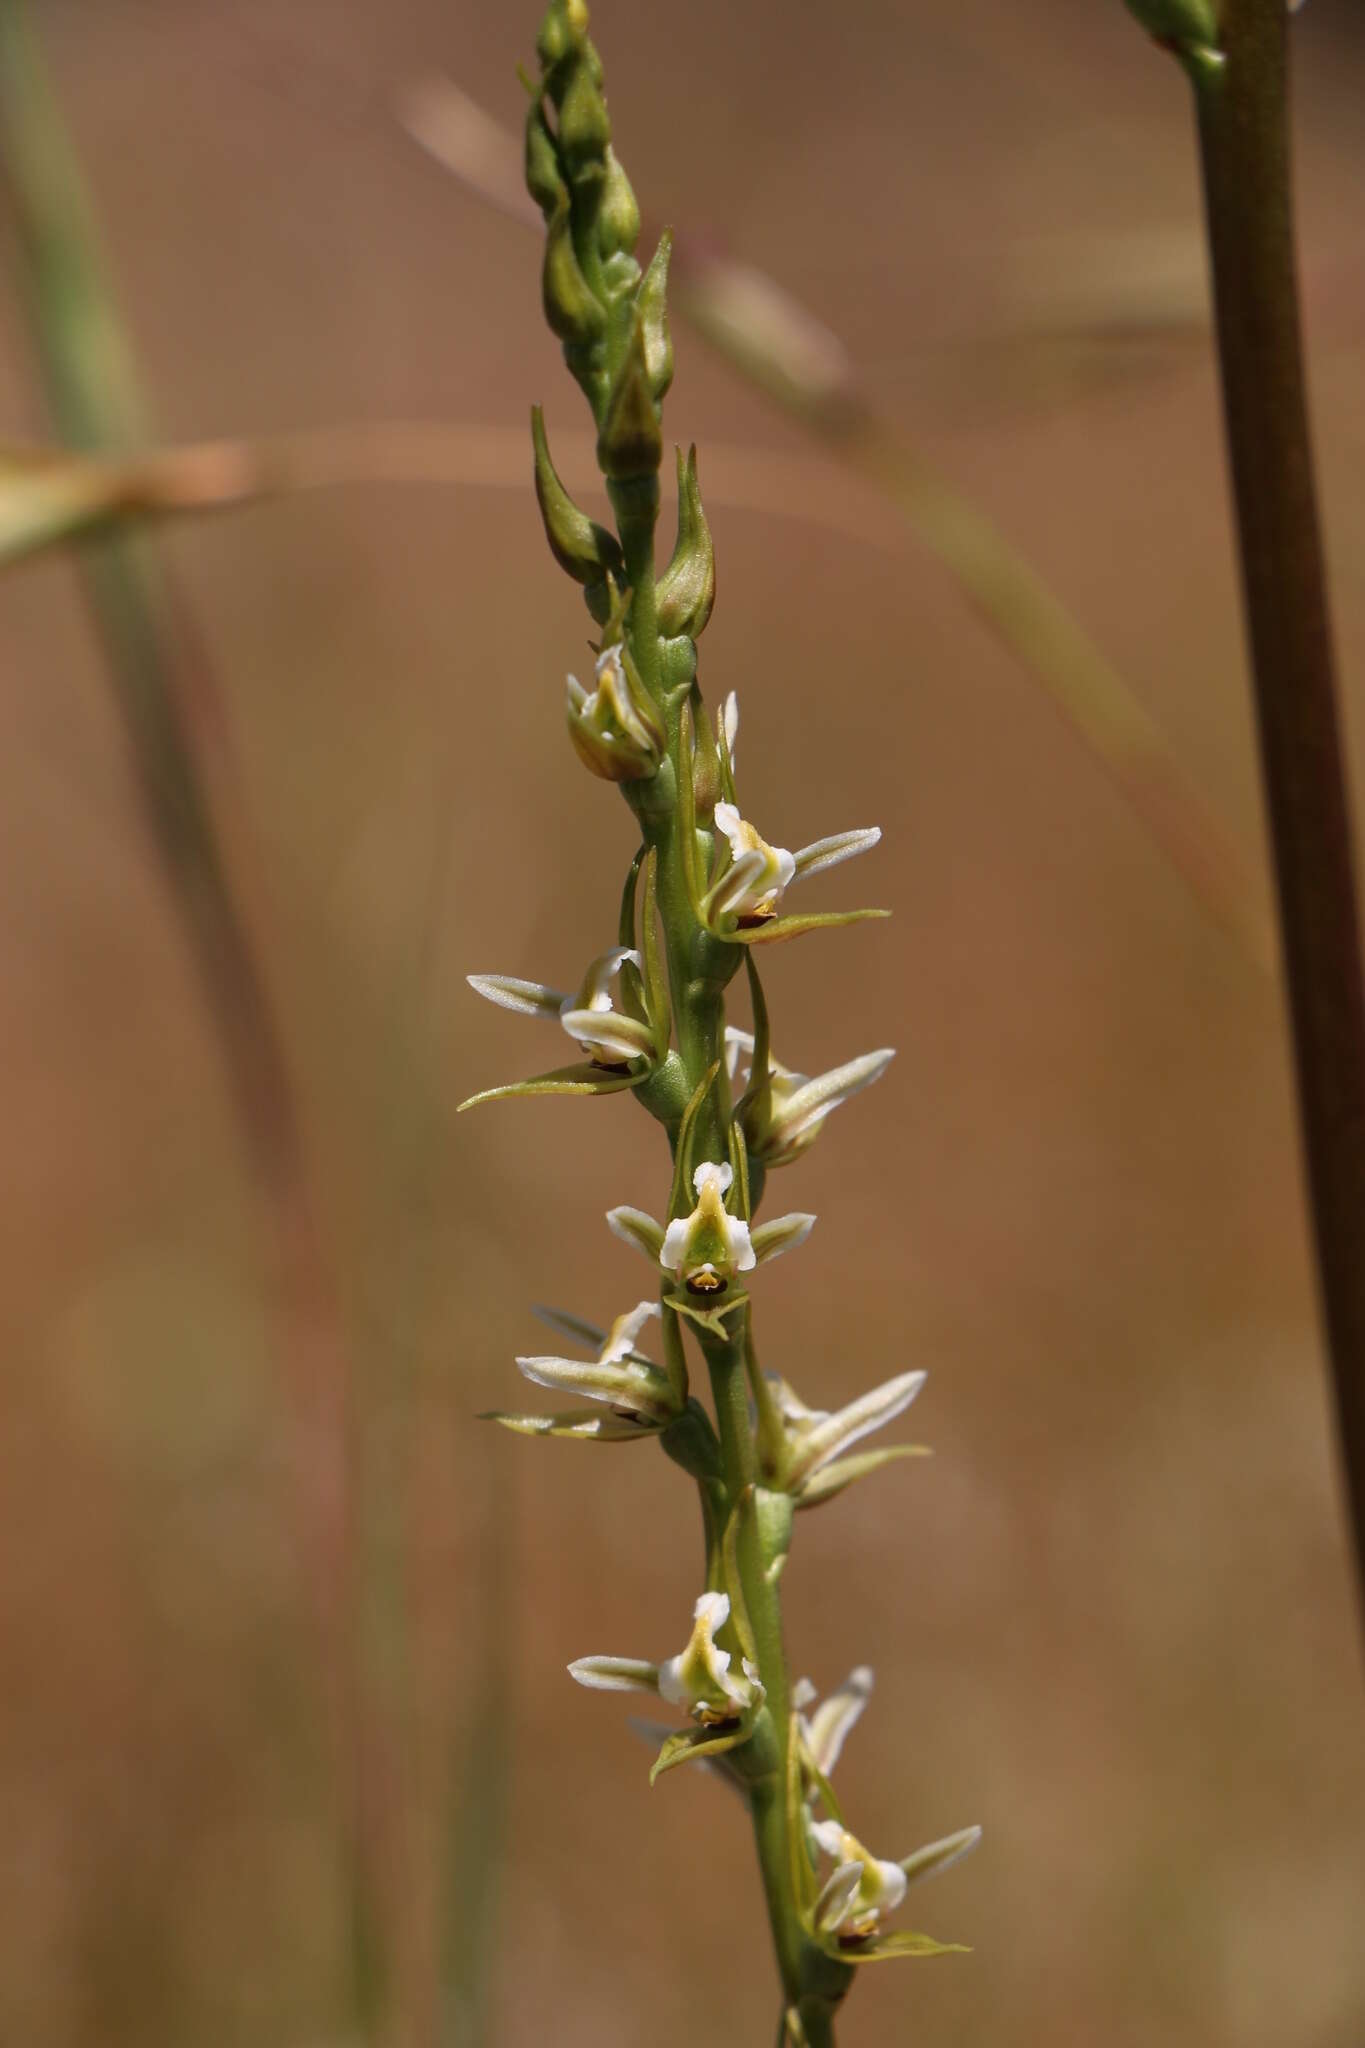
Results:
[563, 31]
[571, 309]
[651, 303]
[584, 127]
[618, 212]
[630, 443]
[585, 550]
[544, 181]
[686, 591]
[615, 726]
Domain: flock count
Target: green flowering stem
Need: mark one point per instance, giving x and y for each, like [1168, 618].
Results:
[1245, 148]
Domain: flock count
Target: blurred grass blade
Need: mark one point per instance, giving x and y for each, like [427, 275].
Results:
[790, 355]
[480, 1795]
[168, 698]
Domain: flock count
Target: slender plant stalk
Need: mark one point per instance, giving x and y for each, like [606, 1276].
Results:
[657, 1026]
[1243, 109]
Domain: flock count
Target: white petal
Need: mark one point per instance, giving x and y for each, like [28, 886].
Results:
[625, 1330]
[615, 1674]
[848, 1425]
[674, 1244]
[708, 1174]
[833, 1905]
[633, 1226]
[527, 998]
[832, 1720]
[713, 1609]
[729, 822]
[936, 1856]
[729, 719]
[738, 1046]
[827, 853]
[803, 1694]
[783, 1234]
[829, 1834]
[740, 1245]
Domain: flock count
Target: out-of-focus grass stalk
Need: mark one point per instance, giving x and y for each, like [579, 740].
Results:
[1243, 106]
[167, 698]
[804, 368]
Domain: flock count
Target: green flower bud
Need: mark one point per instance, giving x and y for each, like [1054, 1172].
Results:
[630, 443]
[543, 179]
[585, 550]
[651, 303]
[571, 310]
[618, 214]
[686, 592]
[584, 128]
[563, 32]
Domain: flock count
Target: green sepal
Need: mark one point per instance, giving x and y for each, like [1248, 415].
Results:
[686, 592]
[880, 1948]
[651, 303]
[742, 1510]
[582, 548]
[779, 928]
[582, 1079]
[571, 309]
[575, 1425]
[625, 929]
[583, 129]
[690, 1745]
[831, 1479]
[630, 444]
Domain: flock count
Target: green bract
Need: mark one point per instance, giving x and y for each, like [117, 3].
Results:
[704, 889]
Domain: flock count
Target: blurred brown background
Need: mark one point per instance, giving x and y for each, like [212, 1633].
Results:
[1112, 1618]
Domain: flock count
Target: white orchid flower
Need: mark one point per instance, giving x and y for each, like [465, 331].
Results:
[788, 1113]
[804, 1449]
[610, 1033]
[708, 1247]
[751, 883]
[615, 725]
[699, 1679]
[640, 1397]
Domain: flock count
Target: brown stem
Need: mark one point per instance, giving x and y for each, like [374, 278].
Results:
[1244, 137]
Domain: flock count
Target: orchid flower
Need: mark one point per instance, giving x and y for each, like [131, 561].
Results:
[783, 1112]
[752, 880]
[611, 1033]
[707, 1248]
[615, 726]
[641, 1398]
[803, 1450]
[719, 1701]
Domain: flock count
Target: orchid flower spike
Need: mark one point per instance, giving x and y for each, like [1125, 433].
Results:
[751, 882]
[640, 1397]
[710, 1246]
[804, 1449]
[785, 1113]
[699, 1679]
[612, 1031]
